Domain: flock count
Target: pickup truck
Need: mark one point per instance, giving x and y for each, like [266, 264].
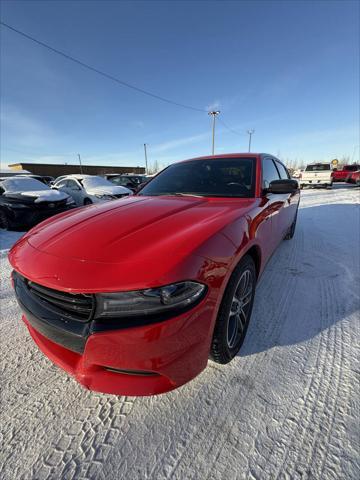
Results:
[316, 175]
[344, 173]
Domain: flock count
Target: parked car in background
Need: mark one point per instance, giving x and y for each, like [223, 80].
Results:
[88, 189]
[316, 175]
[136, 300]
[47, 179]
[129, 181]
[344, 173]
[354, 177]
[25, 201]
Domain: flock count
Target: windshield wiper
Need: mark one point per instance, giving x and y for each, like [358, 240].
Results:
[179, 194]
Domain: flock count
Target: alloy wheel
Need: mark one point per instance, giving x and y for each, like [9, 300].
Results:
[239, 310]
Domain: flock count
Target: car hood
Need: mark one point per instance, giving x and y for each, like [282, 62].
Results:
[134, 238]
[108, 190]
[39, 196]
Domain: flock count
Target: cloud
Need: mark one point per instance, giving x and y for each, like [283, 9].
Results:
[215, 105]
[137, 123]
[22, 129]
[180, 142]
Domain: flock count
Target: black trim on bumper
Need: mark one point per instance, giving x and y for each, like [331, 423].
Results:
[69, 333]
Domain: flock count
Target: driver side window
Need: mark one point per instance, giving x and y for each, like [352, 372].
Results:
[269, 172]
[63, 183]
[73, 185]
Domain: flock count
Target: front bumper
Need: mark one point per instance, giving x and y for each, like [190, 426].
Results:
[315, 183]
[144, 360]
[137, 361]
[28, 217]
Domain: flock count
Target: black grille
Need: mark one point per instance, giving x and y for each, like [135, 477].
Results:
[71, 305]
[120, 195]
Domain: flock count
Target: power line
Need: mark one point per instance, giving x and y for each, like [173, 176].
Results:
[100, 72]
[230, 129]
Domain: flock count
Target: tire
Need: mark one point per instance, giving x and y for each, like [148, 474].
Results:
[301, 186]
[292, 229]
[87, 201]
[4, 220]
[230, 330]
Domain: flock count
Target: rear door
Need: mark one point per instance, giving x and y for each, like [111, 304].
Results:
[271, 205]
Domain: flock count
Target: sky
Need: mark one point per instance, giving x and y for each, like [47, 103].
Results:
[288, 69]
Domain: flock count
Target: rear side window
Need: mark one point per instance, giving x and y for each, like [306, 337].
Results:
[351, 168]
[317, 167]
[269, 172]
[120, 181]
[282, 170]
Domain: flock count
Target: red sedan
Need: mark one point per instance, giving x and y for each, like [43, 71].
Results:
[133, 296]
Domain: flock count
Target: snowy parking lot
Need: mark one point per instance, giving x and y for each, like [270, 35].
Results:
[286, 407]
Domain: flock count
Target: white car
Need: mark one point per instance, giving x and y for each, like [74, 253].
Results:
[87, 189]
[316, 175]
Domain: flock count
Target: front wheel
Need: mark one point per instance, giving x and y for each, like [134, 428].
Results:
[235, 312]
[87, 201]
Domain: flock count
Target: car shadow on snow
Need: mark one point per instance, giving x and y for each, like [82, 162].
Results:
[311, 282]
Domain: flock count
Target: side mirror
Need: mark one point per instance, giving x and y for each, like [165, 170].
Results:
[283, 186]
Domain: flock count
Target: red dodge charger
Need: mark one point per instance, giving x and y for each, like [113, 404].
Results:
[133, 296]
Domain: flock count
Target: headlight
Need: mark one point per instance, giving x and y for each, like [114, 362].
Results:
[177, 296]
[105, 197]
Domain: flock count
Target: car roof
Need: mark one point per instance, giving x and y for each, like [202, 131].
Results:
[229, 155]
[77, 176]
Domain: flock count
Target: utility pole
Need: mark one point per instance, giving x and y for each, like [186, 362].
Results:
[146, 163]
[250, 133]
[214, 114]
[81, 170]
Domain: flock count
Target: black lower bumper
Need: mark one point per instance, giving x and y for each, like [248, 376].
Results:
[28, 217]
[71, 334]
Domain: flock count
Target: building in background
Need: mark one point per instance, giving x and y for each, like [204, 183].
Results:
[57, 169]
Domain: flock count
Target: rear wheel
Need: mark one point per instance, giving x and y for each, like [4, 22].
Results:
[87, 201]
[235, 312]
[4, 220]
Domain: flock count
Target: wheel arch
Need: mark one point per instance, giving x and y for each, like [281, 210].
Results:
[255, 254]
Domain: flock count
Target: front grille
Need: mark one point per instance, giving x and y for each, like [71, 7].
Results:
[51, 205]
[72, 305]
[120, 195]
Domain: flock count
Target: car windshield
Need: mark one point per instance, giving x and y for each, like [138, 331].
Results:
[93, 182]
[23, 185]
[318, 167]
[351, 168]
[214, 177]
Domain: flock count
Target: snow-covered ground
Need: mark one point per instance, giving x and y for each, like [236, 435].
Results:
[287, 407]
